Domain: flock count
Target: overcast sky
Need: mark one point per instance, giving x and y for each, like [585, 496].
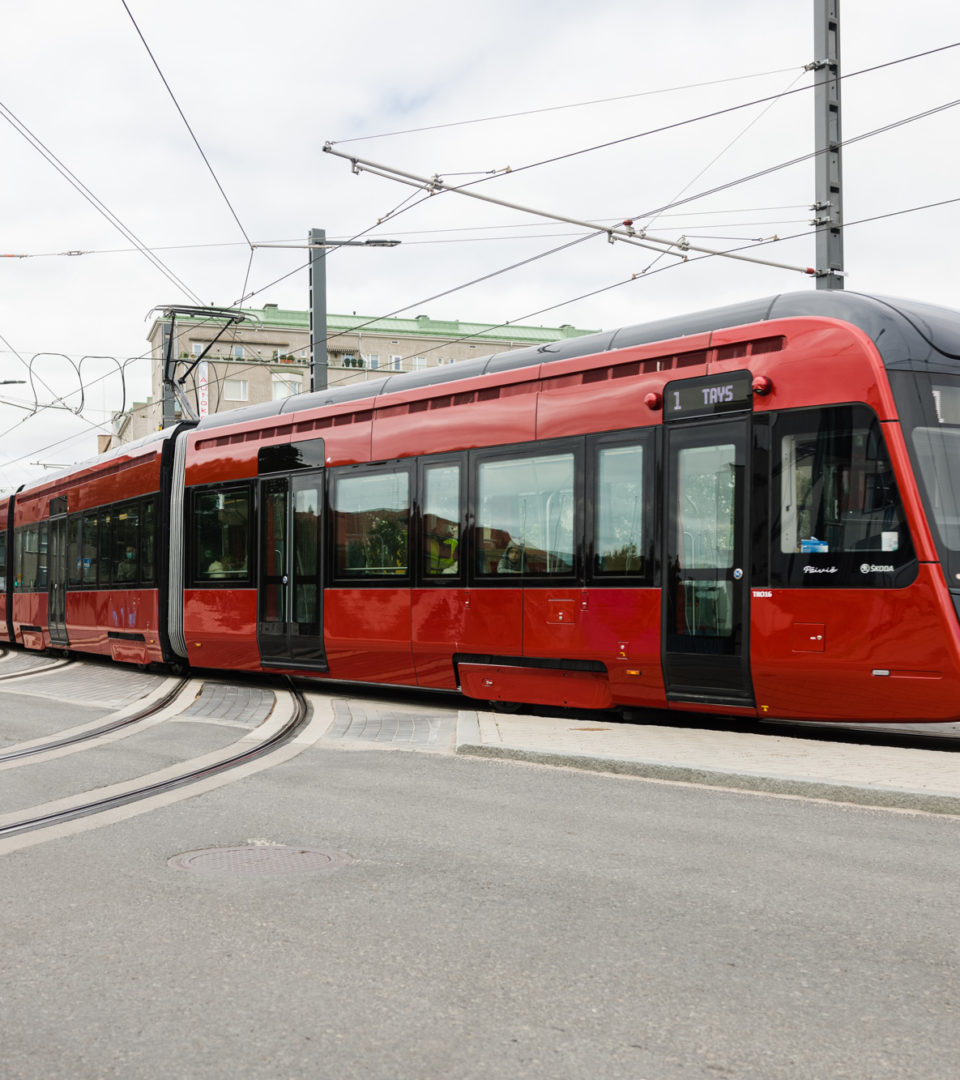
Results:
[265, 86]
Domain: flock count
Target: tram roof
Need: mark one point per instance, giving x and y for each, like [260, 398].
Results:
[910, 335]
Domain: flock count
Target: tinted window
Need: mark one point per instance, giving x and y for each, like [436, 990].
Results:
[619, 525]
[371, 521]
[838, 518]
[441, 520]
[221, 535]
[525, 515]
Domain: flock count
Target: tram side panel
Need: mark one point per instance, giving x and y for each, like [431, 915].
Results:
[219, 549]
[850, 619]
[6, 538]
[85, 573]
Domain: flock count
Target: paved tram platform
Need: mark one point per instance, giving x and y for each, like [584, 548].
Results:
[849, 771]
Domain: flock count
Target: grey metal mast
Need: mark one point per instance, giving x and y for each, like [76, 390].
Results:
[829, 205]
[317, 238]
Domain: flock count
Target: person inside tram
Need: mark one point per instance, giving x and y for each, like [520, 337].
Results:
[442, 557]
[127, 568]
[215, 568]
[513, 560]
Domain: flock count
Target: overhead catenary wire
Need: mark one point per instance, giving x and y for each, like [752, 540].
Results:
[95, 202]
[683, 200]
[504, 227]
[558, 108]
[540, 311]
[717, 112]
[624, 233]
[186, 122]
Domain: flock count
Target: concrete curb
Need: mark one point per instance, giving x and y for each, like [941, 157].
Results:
[469, 743]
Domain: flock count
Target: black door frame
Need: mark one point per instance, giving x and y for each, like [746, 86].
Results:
[702, 663]
[295, 638]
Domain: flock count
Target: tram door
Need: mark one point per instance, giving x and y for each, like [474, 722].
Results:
[290, 619]
[706, 606]
[57, 581]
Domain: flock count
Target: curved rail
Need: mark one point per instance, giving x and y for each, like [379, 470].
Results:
[98, 806]
[37, 670]
[94, 733]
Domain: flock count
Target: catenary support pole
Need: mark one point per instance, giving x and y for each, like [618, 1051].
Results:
[318, 309]
[828, 209]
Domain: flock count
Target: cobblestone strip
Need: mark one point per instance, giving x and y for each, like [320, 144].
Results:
[88, 684]
[12, 662]
[246, 706]
[354, 721]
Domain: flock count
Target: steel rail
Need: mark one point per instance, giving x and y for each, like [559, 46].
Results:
[83, 736]
[99, 806]
[55, 666]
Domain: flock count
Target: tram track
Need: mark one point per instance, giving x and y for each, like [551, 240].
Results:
[39, 669]
[96, 732]
[197, 771]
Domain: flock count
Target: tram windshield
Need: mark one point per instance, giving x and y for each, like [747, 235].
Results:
[930, 409]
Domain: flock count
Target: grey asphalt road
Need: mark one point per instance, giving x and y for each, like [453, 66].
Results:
[488, 919]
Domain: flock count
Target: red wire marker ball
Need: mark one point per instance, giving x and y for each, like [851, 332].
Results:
[653, 401]
[762, 385]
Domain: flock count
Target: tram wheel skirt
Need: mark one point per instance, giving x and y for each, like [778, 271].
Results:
[536, 685]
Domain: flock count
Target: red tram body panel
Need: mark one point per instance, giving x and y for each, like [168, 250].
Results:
[79, 583]
[748, 511]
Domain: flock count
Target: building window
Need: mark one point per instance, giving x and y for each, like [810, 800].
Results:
[395, 363]
[373, 361]
[238, 352]
[285, 386]
[198, 347]
[419, 363]
[234, 389]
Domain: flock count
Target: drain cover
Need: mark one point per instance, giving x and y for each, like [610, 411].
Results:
[258, 859]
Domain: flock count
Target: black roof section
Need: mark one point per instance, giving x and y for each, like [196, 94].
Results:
[909, 334]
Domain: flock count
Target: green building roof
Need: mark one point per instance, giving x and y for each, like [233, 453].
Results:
[420, 326]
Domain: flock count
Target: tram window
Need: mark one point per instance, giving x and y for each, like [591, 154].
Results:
[88, 553]
[618, 543]
[42, 556]
[105, 547]
[837, 489]
[3, 561]
[74, 563]
[371, 514]
[525, 515]
[706, 489]
[937, 450]
[838, 520]
[26, 558]
[441, 520]
[18, 560]
[148, 541]
[126, 545]
[221, 535]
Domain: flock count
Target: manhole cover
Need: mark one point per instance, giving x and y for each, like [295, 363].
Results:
[266, 859]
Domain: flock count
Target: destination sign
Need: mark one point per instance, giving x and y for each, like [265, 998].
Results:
[709, 396]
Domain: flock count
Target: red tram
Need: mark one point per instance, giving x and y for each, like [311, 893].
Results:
[752, 510]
